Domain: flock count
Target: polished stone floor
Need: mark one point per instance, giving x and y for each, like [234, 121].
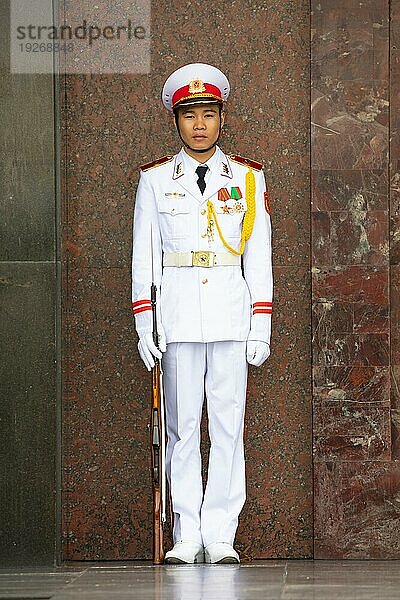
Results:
[266, 580]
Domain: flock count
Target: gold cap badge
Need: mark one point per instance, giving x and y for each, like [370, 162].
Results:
[196, 86]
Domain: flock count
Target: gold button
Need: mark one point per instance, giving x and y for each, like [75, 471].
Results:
[204, 235]
[205, 281]
[203, 212]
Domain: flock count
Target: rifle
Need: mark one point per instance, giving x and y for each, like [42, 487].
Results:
[157, 431]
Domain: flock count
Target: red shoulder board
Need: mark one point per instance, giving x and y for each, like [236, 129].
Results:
[246, 161]
[156, 163]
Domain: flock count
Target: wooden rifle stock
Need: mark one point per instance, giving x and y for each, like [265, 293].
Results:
[157, 420]
[157, 466]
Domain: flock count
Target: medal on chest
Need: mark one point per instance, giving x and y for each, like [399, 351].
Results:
[230, 200]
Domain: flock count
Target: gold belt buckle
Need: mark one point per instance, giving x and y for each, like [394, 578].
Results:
[203, 258]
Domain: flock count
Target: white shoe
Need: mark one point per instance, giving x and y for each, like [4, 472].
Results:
[185, 552]
[221, 553]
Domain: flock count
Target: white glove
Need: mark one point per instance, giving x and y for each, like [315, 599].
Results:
[257, 352]
[147, 348]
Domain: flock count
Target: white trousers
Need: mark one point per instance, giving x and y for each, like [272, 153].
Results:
[218, 369]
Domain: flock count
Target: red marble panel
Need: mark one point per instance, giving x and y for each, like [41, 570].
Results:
[395, 135]
[353, 189]
[349, 122]
[395, 226]
[395, 388]
[346, 141]
[351, 384]
[357, 284]
[334, 317]
[395, 222]
[395, 239]
[369, 349]
[326, 13]
[395, 422]
[372, 318]
[380, 44]
[395, 49]
[359, 237]
[351, 430]
[351, 237]
[350, 416]
[350, 39]
[395, 353]
[395, 312]
[357, 512]
[355, 425]
[342, 332]
[321, 234]
[355, 57]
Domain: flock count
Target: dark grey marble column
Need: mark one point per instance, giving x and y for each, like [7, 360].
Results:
[29, 315]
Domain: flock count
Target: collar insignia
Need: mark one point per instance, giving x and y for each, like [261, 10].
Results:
[226, 170]
[178, 170]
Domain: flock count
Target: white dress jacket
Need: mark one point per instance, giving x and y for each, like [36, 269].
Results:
[201, 304]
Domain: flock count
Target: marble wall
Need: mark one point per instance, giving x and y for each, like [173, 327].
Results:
[112, 124]
[331, 384]
[355, 222]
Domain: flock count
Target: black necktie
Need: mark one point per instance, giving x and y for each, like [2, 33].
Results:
[201, 171]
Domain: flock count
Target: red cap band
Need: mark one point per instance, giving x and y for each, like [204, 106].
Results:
[183, 93]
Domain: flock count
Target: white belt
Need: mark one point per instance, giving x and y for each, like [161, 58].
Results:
[200, 258]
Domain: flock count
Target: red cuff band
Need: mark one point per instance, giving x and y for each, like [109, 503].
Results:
[140, 306]
[140, 302]
[262, 308]
[141, 309]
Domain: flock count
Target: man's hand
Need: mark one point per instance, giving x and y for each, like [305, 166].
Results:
[147, 348]
[257, 352]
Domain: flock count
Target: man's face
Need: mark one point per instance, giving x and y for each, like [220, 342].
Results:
[199, 125]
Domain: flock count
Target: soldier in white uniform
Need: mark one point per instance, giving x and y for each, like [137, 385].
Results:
[204, 218]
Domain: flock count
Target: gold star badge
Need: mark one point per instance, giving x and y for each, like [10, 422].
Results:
[196, 86]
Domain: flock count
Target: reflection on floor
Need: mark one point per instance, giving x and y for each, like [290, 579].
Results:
[264, 580]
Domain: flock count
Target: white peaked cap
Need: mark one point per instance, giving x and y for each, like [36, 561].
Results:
[197, 82]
